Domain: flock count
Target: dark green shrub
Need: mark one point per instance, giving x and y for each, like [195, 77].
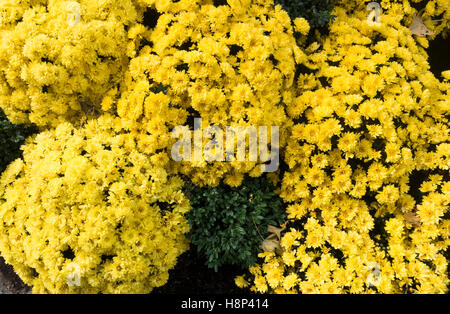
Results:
[317, 12]
[227, 224]
[12, 137]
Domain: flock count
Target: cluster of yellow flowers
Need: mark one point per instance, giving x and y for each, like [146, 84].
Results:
[371, 122]
[229, 65]
[59, 58]
[89, 204]
[95, 205]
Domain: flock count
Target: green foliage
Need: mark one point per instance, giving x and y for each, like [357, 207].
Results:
[12, 137]
[317, 12]
[227, 223]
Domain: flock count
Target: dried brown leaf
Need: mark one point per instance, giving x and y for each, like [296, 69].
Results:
[271, 244]
[275, 230]
[418, 26]
[412, 219]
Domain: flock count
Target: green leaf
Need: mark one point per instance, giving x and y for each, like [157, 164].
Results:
[224, 218]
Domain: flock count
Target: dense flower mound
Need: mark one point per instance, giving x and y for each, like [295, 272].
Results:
[86, 204]
[229, 65]
[96, 203]
[368, 167]
[59, 58]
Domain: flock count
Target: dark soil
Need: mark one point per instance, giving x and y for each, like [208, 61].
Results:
[439, 52]
[10, 283]
[191, 276]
